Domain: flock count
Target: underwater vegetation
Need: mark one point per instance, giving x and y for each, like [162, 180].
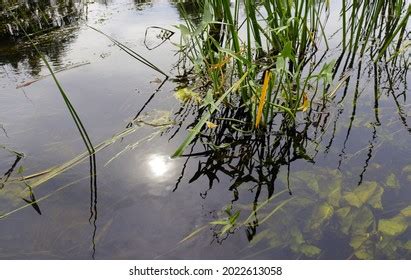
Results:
[268, 82]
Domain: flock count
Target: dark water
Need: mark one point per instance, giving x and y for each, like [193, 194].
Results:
[139, 204]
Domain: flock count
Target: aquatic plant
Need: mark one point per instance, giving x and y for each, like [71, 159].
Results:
[323, 204]
[276, 43]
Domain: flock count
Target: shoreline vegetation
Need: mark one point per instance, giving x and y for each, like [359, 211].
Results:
[262, 79]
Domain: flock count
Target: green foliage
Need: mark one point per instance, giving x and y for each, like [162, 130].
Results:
[282, 37]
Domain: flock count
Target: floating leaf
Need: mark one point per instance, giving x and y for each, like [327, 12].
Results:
[393, 227]
[392, 181]
[211, 125]
[186, 94]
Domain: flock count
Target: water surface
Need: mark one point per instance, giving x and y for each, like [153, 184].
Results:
[131, 201]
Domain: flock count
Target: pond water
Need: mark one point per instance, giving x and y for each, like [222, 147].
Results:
[350, 186]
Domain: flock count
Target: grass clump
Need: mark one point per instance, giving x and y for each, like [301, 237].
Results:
[275, 53]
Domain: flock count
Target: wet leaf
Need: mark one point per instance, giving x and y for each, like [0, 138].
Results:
[226, 228]
[321, 215]
[407, 169]
[297, 237]
[392, 181]
[194, 233]
[219, 222]
[375, 200]
[305, 104]
[364, 254]
[353, 200]
[20, 170]
[362, 220]
[358, 240]
[263, 97]
[334, 197]
[345, 219]
[368, 193]
[211, 125]
[277, 240]
[343, 212]
[186, 94]
[389, 246]
[156, 81]
[265, 234]
[392, 227]
[407, 245]
[309, 179]
[310, 250]
[406, 212]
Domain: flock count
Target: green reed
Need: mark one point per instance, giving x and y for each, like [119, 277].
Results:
[282, 38]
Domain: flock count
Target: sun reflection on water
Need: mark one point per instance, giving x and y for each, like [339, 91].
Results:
[159, 165]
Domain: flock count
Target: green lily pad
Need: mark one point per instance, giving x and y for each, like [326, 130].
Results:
[393, 227]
